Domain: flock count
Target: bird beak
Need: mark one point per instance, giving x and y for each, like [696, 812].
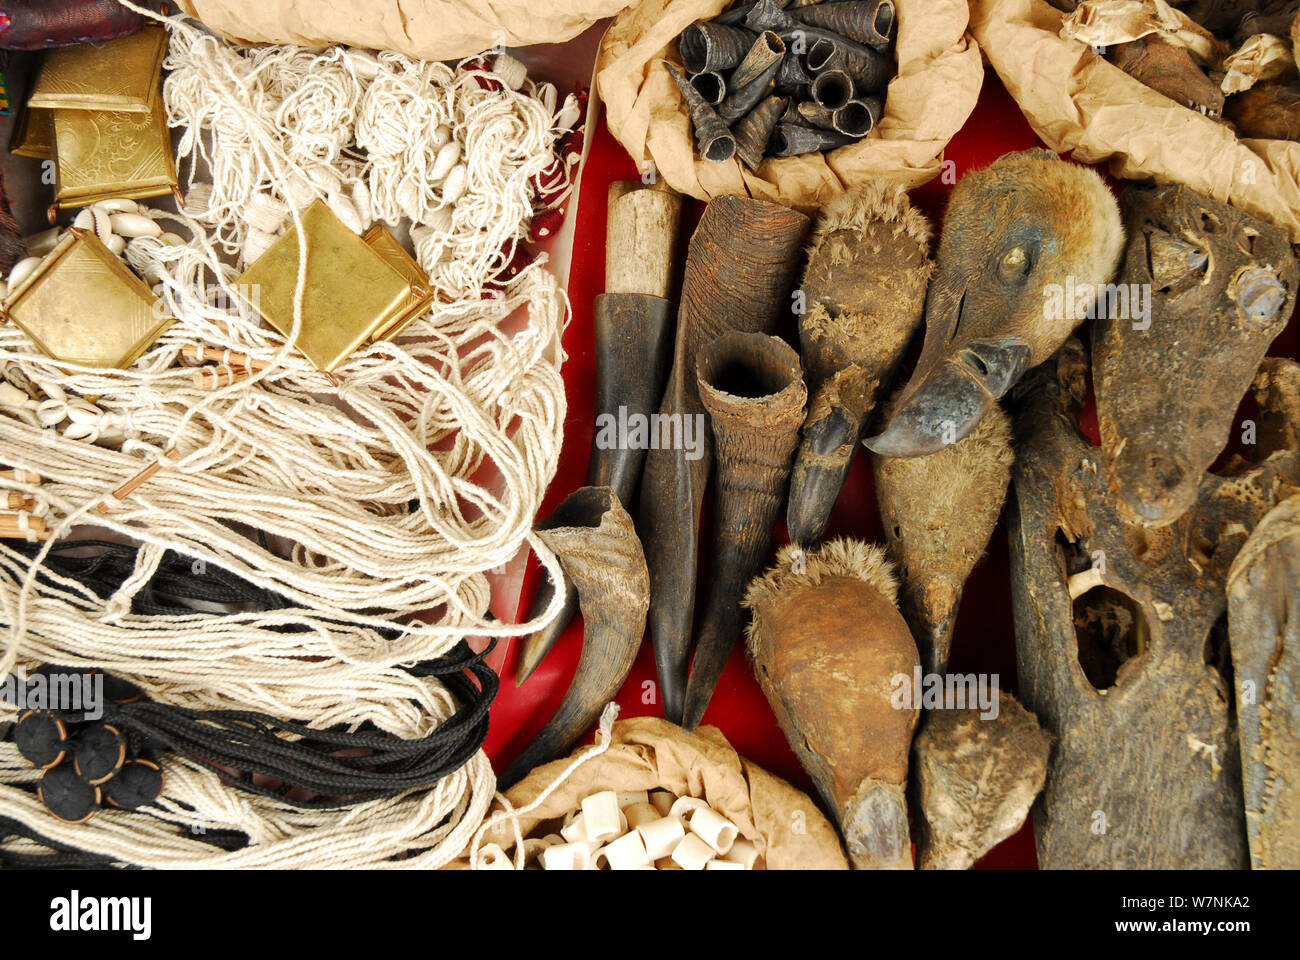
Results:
[948, 402]
[822, 464]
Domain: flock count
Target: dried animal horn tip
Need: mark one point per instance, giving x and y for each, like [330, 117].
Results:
[712, 138]
[711, 85]
[864, 21]
[832, 89]
[789, 140]
[858, 117]
[767, 50]
[741, 100]
[768, 15]
[754, 131]
[868, 67]
[713, 46]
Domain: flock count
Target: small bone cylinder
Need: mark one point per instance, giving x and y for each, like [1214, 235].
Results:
[683, 807]
[603, 819]
[575, 830]
[492, 857]
[715, 830]
[743, 852]
[692, 853]
[628, 852]
[661, 836]
[567, 856]
[662, 801]
[723, 865]
[638, 814]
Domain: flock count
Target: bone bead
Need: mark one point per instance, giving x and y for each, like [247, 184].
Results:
[692, 853]
[661, 836]
[684, 807]
[534, 846]
[298, 191]
[134, 225]
[602, 817]
[173, 240]
[325, 178]
[22, 270]
[627, 798]
[117, 205]
[626, 853]
[492, 857]
[723, 865]
[715, 830]
[567, 856]
[448, 156]
[662, 801]
[743, 852]
[575, 829]
[4, 291]
[638, 813]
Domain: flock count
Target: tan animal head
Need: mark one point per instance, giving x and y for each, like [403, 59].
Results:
[1024, 241]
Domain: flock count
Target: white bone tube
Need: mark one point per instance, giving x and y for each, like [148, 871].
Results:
[492, 857]
[626, 853]
[638, 814]
[662, 801]
[692, 853]
[743, 852]
[723, 865]
[662, 836]
[602, 817]
[628, 798]
[714, 829]
[568, 856]
[575, 828]
[684, 806]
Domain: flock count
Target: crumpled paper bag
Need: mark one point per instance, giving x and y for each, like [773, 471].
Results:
[939, 77]
[428, 29]
[650, 753]
[1079, 103]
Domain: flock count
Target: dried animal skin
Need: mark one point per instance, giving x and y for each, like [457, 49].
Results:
[1120, 628]
[1169, 70]
[975, 781]
[1267, 111]
[1264, 625]
[826, 639]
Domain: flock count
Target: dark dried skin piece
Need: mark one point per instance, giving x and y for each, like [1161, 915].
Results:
[1264, 627]
[1117, 627]
[1267, 111]
[1222, 286]
[1014, 232]
[752, 386]
[12, 246]
[975, 779]
[593, 537]
[1217, 16]
[826, 641]
[868, 269]
[1275, 19]
[1169, 70]
[739, 271]
[42, 24]
[939, 512]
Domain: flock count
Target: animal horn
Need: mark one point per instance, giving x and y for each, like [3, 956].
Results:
[634, 324]
[939, 512]
[970, 800]
[858, 117]
[741, 100]
[812, 112]
[789, 140]
[792, 77]
[820, 618]
[754, 131]
[598, 548]
[767, 49]
[832, 89]
[865, 21]
[751, 384]
[712, 138]
[711, 85]
[713, 46]
[768, 15]
[868, 269]
[869, 68]
[739, 271]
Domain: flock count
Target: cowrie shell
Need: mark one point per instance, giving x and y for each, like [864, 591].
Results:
[454, 186]
[441, 134]
[361, 200]
[448, 157]
[343, 209]
[51, 412]
[22, 270]
[173, 240]
[116, 244]
[81, 431]
[117, 205]
[134, 225]
[79, 411]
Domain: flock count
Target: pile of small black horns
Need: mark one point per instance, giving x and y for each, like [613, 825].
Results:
[779, 78]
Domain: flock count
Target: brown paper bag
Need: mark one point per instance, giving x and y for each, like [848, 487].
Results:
[1079, 103]
[938, 82]
[430, 29]
[649, 753]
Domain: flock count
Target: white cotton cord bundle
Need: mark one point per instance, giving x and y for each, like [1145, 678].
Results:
[365, 484]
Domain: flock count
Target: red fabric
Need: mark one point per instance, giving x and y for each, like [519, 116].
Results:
[984, 640]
